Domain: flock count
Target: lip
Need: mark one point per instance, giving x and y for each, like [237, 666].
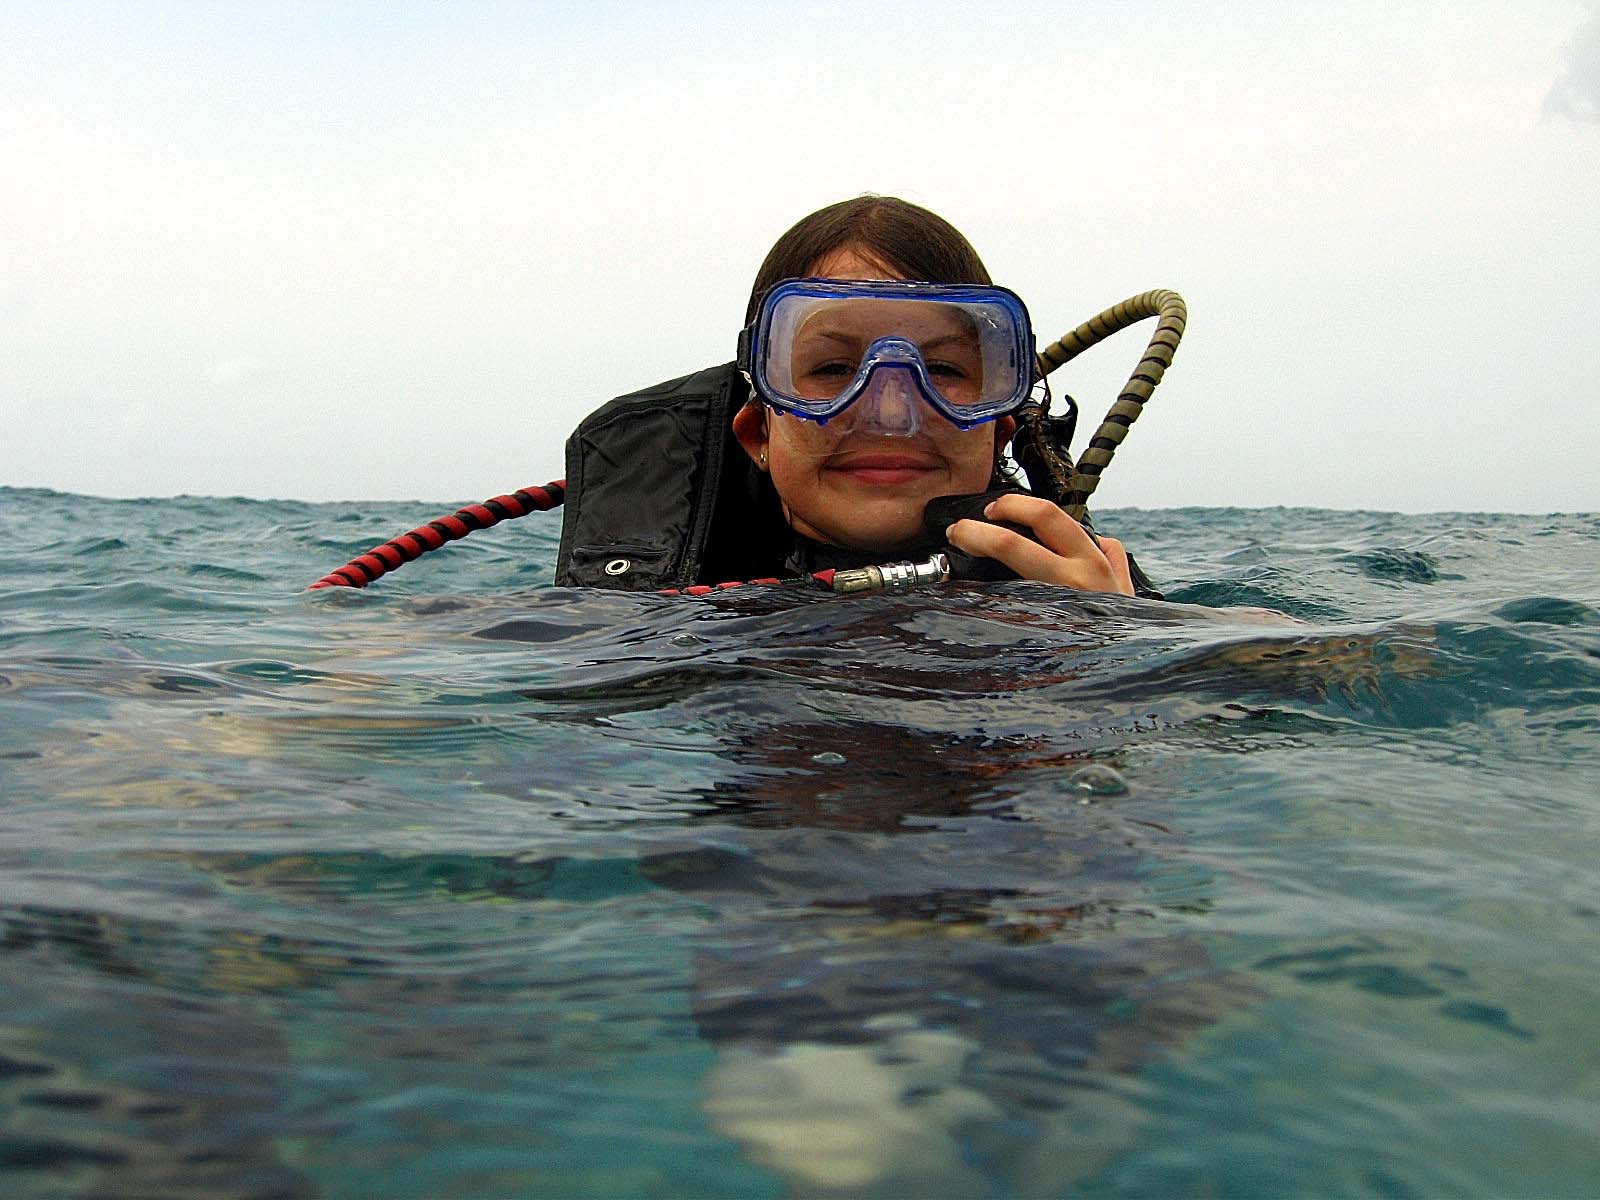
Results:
[884, 469]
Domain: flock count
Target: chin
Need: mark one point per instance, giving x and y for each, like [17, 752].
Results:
[878, 539]
[874, 524]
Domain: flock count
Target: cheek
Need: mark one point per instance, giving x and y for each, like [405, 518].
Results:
[795, 449]
[972, 459]
[800, 440]
[785, 473]
[791, 468]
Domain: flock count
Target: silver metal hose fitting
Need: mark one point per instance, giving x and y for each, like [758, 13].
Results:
[893, 577]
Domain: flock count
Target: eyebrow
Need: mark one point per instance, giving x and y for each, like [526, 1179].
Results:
[839, 335]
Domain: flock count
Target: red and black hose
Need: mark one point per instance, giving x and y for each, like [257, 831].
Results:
[380, 560]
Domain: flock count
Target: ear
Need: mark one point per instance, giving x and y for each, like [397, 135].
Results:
[750, 428]
[1005, 429]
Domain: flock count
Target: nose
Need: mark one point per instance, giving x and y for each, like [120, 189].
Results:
[892, 404]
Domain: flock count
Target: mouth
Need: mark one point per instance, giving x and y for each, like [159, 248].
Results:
[884, 469]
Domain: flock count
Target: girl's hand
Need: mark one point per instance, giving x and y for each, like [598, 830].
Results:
[1069, 555]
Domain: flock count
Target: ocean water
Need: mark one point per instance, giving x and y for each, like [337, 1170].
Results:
[468, 886]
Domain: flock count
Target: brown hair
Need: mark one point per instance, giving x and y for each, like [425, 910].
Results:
[902, 237]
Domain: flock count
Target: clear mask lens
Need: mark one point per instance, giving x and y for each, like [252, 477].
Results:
[819, 347]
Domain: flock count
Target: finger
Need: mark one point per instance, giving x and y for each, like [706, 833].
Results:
[1050, 525]
[1088, 570]
[1066, 536]
[1117, 558]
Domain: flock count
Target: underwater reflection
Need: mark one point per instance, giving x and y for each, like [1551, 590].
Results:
[935, 964]
[122, 1088]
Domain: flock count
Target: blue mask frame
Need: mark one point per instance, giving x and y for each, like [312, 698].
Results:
[998, 313]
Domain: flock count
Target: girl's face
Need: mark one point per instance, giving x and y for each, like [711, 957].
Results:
[857, 488]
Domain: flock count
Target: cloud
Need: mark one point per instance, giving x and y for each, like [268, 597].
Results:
[1576, 94]
[233, 372]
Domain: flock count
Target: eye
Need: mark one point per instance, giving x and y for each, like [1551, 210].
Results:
[837, 369]
[947, 370]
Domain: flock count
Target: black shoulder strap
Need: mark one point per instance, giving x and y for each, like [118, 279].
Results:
[659, 494]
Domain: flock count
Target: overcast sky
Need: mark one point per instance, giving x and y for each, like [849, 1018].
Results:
[395, 250]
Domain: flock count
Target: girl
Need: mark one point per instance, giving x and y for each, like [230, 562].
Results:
[856, 443]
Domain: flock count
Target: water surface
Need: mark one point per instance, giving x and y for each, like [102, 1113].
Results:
[465, 885]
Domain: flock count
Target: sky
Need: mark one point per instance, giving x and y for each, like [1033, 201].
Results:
[398, 250]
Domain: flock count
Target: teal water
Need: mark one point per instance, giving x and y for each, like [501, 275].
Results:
[469, 886]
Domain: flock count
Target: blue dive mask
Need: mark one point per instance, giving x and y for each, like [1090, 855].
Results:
[819, 345]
